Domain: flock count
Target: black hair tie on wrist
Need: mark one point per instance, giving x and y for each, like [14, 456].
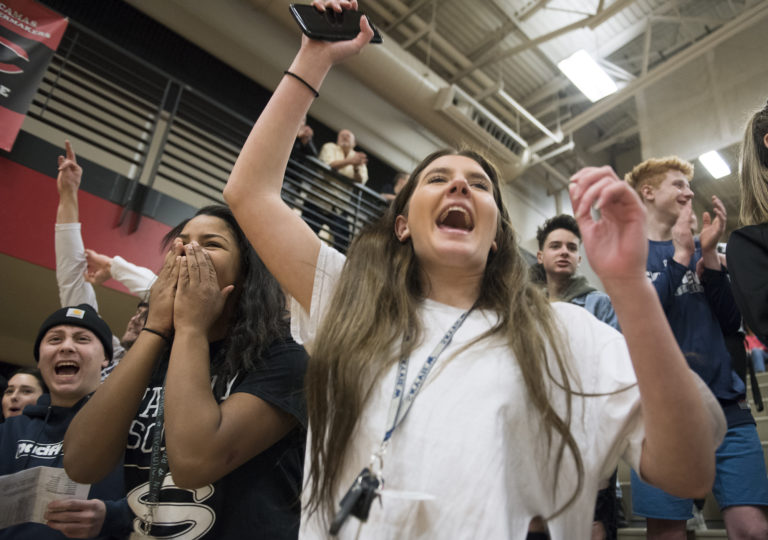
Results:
[305, 83]
[153, 331]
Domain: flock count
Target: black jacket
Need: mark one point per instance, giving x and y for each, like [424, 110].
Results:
[747, 255]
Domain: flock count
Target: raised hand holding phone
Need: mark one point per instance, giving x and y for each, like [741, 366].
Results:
[330, 24]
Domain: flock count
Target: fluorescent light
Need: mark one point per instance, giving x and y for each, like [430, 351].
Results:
[715, 164]
[587, 75]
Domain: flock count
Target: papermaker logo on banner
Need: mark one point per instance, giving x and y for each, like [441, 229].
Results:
[29, 35]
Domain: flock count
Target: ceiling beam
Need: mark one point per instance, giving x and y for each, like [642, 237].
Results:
[745, 20]
[593, 21]
[613, 139]
[631, 32]
[493, 39]
[525, 15]
[417, 36]
[403, 16]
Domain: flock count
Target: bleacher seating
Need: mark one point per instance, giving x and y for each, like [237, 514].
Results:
[711, 512]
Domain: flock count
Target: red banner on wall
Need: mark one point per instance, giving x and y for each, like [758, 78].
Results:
[29, 35]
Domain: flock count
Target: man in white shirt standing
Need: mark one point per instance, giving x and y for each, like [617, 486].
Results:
[342, 157]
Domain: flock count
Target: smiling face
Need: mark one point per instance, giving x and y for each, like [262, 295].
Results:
[560, 254]
[667, 199]
[71, 359]
[451, 217]
[216, 238]
[23, 389]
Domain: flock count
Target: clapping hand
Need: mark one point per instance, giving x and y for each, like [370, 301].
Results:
[712, 229]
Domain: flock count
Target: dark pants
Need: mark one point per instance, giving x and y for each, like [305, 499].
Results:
[607, 508]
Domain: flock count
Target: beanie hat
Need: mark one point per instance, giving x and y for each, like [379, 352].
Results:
[84, 316]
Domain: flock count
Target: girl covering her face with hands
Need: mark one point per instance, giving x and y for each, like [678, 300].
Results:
[216, 370]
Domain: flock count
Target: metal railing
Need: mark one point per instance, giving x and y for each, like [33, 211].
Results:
[165, 136]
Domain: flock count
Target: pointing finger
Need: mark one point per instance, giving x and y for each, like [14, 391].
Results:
[69, 151]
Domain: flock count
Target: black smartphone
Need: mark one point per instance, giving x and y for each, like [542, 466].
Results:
[330, 26]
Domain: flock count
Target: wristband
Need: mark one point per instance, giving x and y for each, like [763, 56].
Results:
[305, 83]
[152, 331]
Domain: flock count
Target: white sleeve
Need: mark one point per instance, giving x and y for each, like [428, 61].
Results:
[304, 325]
[329, 154]
[70, 267]
[137, 279]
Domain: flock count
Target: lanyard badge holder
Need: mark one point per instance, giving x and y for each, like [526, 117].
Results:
[158, 468]
[367, 486]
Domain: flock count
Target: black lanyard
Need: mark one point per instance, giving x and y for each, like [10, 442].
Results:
[158, 466]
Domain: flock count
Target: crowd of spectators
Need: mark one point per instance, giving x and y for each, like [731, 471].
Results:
[262, 385]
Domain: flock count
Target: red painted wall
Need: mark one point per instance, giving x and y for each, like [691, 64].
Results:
[28, 201]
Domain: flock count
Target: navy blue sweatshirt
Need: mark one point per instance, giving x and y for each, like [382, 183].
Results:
[700, 312]
[34, 439]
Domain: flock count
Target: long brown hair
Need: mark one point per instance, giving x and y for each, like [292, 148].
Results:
[753, 170]
[376, 304]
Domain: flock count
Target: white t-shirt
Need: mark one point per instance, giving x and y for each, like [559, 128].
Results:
[472, 440]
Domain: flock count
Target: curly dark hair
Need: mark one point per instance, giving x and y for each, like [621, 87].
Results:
[563, 221]
[260, 315]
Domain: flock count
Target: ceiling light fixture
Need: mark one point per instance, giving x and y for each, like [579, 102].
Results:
[715, 164]
[587, 75]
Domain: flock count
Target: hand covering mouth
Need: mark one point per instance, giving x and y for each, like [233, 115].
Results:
[456, 217]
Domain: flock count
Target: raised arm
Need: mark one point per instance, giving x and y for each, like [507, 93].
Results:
[284, 242]
[206, 439]
[96, 438]
[70, 252]
[681, 433]
[136, 278]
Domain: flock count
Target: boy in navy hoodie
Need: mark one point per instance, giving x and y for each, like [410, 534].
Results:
[72, 346]
[695, 292]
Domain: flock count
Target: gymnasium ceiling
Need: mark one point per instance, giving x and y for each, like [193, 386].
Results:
[495, 61]
[498, 51]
